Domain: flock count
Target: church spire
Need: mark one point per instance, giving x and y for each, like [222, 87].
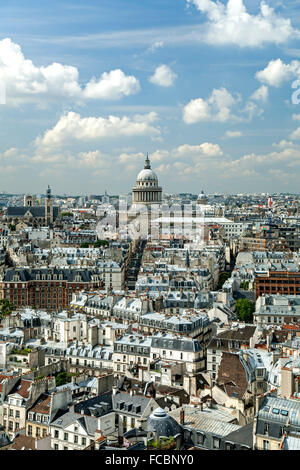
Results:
[147, 163]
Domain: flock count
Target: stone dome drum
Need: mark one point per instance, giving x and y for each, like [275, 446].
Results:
[146, 191]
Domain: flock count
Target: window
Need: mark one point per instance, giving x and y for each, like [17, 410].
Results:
[229, 446]
[29, 430]
[55, 446]
[83, 441]
[66, 436]
[200, 438]
[75, 439]
[275, 411]
[266, 445]
[56, 434]
[266, 428]
[216, 443]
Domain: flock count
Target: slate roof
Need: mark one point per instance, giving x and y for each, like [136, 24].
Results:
[36, 211]
[243, 436]
[30, 274]
[134, 400]
[4, 440]
[242, 335]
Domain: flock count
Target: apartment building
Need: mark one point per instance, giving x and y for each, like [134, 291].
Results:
[46, 288]
[276, 424]
[277, 309]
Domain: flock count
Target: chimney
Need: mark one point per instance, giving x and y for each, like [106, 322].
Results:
[182, 416]
[82, 411]
[114, 390]
[209, 402]
[201, 406]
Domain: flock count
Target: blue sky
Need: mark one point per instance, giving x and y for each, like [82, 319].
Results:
[205, 87]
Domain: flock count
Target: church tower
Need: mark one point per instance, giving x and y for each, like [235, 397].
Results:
[48, 208]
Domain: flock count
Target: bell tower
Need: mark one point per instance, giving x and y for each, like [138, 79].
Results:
[48, 208]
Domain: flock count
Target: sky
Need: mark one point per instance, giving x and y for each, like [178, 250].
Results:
[210, 89]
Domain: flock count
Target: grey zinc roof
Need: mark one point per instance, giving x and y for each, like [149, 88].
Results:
[136, 400]
[212, 420]
[292, 407]
[291, 443]
[89, 423]
[169, 341]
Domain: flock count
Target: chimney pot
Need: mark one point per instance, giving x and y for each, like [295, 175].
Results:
[182, 416]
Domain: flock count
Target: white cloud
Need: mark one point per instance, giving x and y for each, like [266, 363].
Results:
[296, 117]
[206, 148]
[26, 82]
[112, 86]
[72, 127]
[283, 144]
[232, 24]
[277, 72]
[295, 134]
[93, 159]
[233, 134]
[163, 169]
[216, 108]
[261, 94]
[163, 76]
[155, 46]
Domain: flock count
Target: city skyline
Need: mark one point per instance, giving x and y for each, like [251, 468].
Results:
[87, 90]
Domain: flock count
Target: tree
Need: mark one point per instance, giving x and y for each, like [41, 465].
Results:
[6, 308]
[66, 214]
[84, 245]
[223, 277]
[62, 378]
[99, 243]
[244, 310]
